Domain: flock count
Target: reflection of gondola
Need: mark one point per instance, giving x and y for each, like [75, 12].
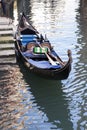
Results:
[38, 54]
[49, 98]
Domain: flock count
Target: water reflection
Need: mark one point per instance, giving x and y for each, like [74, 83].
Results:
[10, 99]
[76, 88]
[46, 16]
[49, 98]
[17, 107]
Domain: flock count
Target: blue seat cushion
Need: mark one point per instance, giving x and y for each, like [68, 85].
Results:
[44, 64]
[27, 38]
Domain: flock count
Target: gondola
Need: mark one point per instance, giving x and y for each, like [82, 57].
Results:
[37, 53]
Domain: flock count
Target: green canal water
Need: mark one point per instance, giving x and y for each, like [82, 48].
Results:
[34, 103]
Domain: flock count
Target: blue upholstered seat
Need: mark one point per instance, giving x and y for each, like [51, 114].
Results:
[44, 64]
[27, 38]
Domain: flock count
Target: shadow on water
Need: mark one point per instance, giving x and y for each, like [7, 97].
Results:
[50, 99]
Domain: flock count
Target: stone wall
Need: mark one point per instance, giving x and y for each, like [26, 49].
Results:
[83, 9]
[8, 8]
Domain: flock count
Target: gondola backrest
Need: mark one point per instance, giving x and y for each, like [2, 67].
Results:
[27, 38]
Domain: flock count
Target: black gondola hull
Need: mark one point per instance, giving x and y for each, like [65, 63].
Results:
[57, 73]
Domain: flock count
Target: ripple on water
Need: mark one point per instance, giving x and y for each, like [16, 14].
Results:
[75, 89]
[17, 107]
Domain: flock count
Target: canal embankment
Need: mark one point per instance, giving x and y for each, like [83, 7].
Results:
[8, 65]
[10, 76]
[7, 47]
